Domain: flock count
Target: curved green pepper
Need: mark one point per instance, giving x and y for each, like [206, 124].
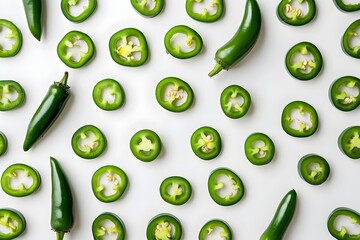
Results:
[12, 172]
[314, 169]
[349, 142]
[206, 143]
[145, 145]
[259, 149]
[86, 150]
[33, 12]
[340, 98]
[242, 42]
[164, 226]
[13, 222]
[215, 184]
[205, 15]
[15, 35]
[208, 230]
[115, 176]
[48, 111]
[235, 101]
[66, 6]
[62, 217]
[193, 42]
[294, 16]
[114, 89]
[142, 7]
[351, 32]
[124, 51]
[174, 94]
[3, 144]
[100, 229]
[351, 7]
[282, 218]
[175, 190]
[342, 233]
[8, 89]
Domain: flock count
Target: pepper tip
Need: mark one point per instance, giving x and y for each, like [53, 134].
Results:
[218, 67]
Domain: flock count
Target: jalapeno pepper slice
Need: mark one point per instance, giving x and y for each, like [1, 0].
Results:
[114, 176]
[145, 9]
[235, 101]
[3, 144]
[259, 149]
[314, 169]
[303, 124]
[164, 226]
[193, 41]
[88, 142]
[206, 143]
[145, 145]
[350, 7]
[210, 229]
[13, 223]
[12, 95]
[175, 190]
[304, 69]
[67, 5]
[75, 40]
[112, 88]
[349, 34]
[217, 183]
[128, 47]
[344, 93]
[288, 13]
[101, 228]
[174, 94]
[208, 14]
[342, 233]
[349, 142]
[14, 35]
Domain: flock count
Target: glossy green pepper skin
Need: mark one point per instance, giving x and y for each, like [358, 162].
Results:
[14, 221]
[164, 226]
[230, 106]
[340, 98]
[85, 14]
[206, 143]
[242, 42]
[207, 229]
[33, 12]
[145, 145]
[343, 233]
[14, 35]
[347, 7]
[259, 149]
[99, 229]
[115, 90]
[9, 87]
[180, 193]
[350, 32]
[282, 218]
[294, 16]
[205, 16]
[314, 169]
[62, 217]
[349, 142]
[49, 110]
[141, 6]
[3, 143]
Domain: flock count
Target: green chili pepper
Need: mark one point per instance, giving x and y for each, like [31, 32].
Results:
[143, 7]
[304, 69]
[297, 126]
[208, 230]
[115, 177]
[72, 40]
[100, 229]
[66, 6]
[13, 223]
[205, 15]
[164, 226]
[145, 145]
[242, 42]
[174, 94]
[235, 101]
[342, 233]
[349, 142]
[294, 16]
[259, 149]
[12, 173]
[62, 218]
[349, 34]
[48, 111]
[341, 99]
[206, 143]
[14, 35]
[314, 169]
[175, 190]
[3, 144]
[350, 7]
[124, 51]
[33, 12]
[88, 150]
[114, 89]
[193, 42]
[282, 218]
[8, 90]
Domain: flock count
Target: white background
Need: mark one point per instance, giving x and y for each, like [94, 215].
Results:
[262, 73]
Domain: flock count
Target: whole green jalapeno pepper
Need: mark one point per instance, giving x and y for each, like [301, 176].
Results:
[33, 12]
[62, 217]
[145, 145]
[175, 190]
[349, 142]
[291, 15]
[206, 15]
[350, 7]
[343, 233]
[282, 218]
[100, 229]
[350, 33]
[259, 149]
[164, 226]
[206, 143]
[208, 230]
[341, 98]
[14, 35]
[49, 110]
[12, 95]
[242, 42]
[66, 6]
[143, 7]
[13, 223]
[3, 143]
[235, 101]
[314, 169]
[115, 91]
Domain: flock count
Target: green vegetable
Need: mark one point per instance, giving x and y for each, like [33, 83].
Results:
[205, 15]
[114, 89]
[314, 169]
[49, 110]
[259, 149]
[282, 218]
[66, 6]
[242, 42]
[349, 142]
[62, 217]
[12, 173]
[350, 7]
[100, 229]
[145, 145]
[206, 143]
[235, 101]
[12, 223]
[8, 90]
[175, 190]
[340, 98]
[291, 15]
[3, 144]
[14, 36]
[208, 230]
[142, 7]
[349, 34]
[342, 232]
[164, 226]
[33, 12]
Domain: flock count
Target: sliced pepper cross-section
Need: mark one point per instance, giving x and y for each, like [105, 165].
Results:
[12, 95]
[344, 93]
[13, 34]
[346, 43]
[87, 10]
[175, 190]
[164, 226]
[3, 143]
[259, 149]
[208, 14]
[349, 142]
[206, 143]
[209, 230]
[114, 89]
[347, 7]
[343, 233]
[128, 47]
[145, 145]
[314, 169]
[12, 223]
[145, 8]
[101, 228]
[235, 101]
[290, 14]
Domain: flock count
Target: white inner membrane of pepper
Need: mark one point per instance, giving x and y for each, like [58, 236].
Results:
[88, 142]
[235, 102]
[109, 181]
[150, 4]
[206, 142]
[164, 230]
[11, 225]
[351, 1]
[345, 223]
[354, 40]
[303, 61]
[109, 229]
[205, 7]
[77, 7]
[294, 9]
[20, 179]
[174, 94]
[215, 233]
[145, 145]
[350, 92]
[174, 190]
[226, 186]
[7, 94]
[259, 148]
[129, 48]
[300, 120]
[76, 48]
[182, 42]
[107, 95]
[6, 41]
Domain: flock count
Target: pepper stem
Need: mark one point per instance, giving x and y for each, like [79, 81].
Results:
[218, 67]
[60, 235]
[63, 81]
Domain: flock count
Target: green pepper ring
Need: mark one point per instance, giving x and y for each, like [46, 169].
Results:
[348, 137]
[177, 198]
[144, 11]
[341, 100]
[342, 234]
[119, 228]
[209, 227]
[116, 90]
[204, 16]
[11, 85]
[310, 176]
[3, 143]
[230, 109]
[253, 154]
[15, 33]
[16, 216]
[346, 7]
[65, 8]
[163, 218]
[200, 139]
[152, 152]
[345, 42]
[296, 20]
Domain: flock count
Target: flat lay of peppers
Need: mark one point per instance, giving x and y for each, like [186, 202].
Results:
[130, 47]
